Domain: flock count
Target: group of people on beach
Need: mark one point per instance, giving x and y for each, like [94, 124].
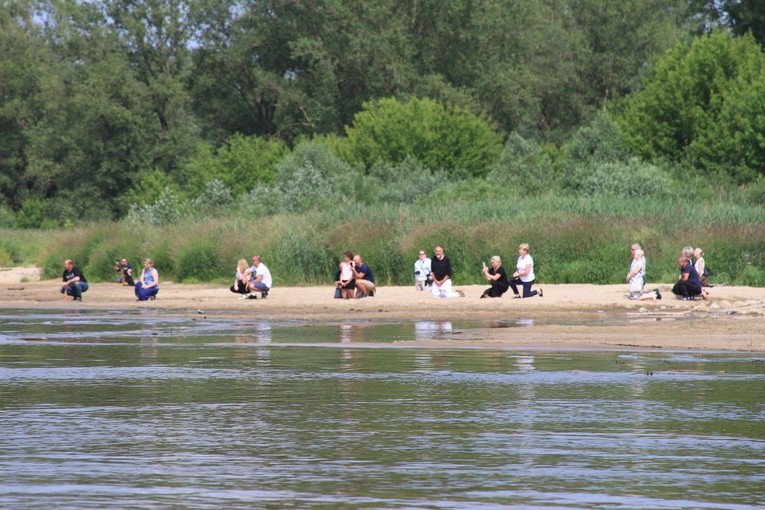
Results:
[693, 275]
[146, 288]
[436, 273]
[354, 277]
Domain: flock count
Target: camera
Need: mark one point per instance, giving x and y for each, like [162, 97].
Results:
[416, 272]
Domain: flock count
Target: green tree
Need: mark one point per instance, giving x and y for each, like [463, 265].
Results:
[440, 138]
[697, 100]
[241, 164]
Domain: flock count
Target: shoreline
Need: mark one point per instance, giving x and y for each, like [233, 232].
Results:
[568, 316]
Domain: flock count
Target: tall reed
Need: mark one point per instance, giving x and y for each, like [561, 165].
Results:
[572, 241]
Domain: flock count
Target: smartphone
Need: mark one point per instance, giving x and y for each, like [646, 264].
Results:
[484, 264]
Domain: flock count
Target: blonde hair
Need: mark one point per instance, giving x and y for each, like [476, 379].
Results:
[523, 246]
[241, 266]
[496, 257]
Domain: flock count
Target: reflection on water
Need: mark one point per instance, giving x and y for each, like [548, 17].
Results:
[159, 412]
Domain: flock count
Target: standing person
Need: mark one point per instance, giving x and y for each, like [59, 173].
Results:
[74, 281]
[127, 272]
[346, 283]
[259, 278]
[421, 271]
[148, 285]
[524, 274]
[441, 276]
[497, 277]
[365, 280]
[636, 277]
[688, 285]
[240, 280]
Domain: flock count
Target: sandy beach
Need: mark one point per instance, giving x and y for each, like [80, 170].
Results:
[568, 316]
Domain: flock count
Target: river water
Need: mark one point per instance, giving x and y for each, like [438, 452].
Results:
[145, 410]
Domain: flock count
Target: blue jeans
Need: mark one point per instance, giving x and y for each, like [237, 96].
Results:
[260, 286]
[527, 292]
[144, 294]
[76, 289]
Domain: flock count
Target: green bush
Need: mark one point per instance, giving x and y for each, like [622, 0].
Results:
[524, 167]
[311, 178]
[702, 103]
[243, 163]
[630, 179]
[440, 138]
[198, 261]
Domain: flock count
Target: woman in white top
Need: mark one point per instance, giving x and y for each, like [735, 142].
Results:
[347, 284]
[240, 280]
[524, 274]
[421, 271]
[701, 267]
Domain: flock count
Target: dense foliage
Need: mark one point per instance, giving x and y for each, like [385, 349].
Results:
[108, 106]
[308, 128]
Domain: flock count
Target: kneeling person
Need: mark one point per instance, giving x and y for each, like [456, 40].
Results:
[365, 280]
[74, 281]
[259, 278]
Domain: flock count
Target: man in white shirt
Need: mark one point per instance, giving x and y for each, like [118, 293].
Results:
[258, 278]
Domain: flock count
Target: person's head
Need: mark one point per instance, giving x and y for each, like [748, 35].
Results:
[256, 260]
[439, 251]
[635, 247]
[687, 252]
[357, 260]
[682, 261]
[523, 249]
[496, 261]
[241, 265]
[148, 263]
[422, 254]
[348, 256]
[698, 252]
[637, 254]
[68, 264]
[124, 261]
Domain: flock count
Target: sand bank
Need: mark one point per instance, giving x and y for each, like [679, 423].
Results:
[575, 315]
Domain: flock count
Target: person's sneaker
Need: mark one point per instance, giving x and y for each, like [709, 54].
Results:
[244, 296]
[78, 299]
[658, 294]
[252, 296]
[540, 293]
[688, 298]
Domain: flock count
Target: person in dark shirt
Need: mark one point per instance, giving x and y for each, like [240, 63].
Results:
[127, 273]
[365, 280]
[688, 285]
[497, 277]
[74, 281]
[441, 275]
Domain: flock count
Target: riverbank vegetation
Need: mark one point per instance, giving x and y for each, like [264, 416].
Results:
[298, 130]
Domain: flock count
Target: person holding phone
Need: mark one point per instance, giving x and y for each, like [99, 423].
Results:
[497, 277]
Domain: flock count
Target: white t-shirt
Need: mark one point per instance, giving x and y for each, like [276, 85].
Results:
[520, 266]
[265, 273]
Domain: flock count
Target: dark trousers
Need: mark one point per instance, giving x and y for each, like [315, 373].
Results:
[527, 292]
[126, 278]
[242, 287]
[497, 289]
[685, 289]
